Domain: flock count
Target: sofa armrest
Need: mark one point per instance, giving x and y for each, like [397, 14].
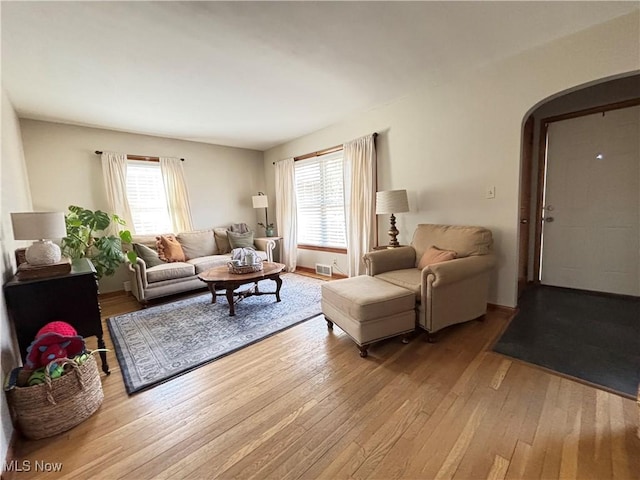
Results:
[266, 245]
[445, 273]
[138, 274]
[380, 261]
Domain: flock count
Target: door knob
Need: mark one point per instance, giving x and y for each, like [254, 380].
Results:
[524, 221]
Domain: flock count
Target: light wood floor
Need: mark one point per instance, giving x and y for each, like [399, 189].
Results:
[303, 404]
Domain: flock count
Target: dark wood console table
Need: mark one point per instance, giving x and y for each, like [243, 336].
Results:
[72, 298]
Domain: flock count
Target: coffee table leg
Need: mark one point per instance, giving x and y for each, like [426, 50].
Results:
[232, 310]
[278, 281]
[212, 289]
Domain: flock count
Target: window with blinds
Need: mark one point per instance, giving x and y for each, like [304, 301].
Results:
[320, 201]
[147, 200]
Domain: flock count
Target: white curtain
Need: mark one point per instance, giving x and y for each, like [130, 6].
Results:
[114, 173]
[359, 200]
[286, 212]
[175, 189]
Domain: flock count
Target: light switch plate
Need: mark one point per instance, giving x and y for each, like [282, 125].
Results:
[490, 192]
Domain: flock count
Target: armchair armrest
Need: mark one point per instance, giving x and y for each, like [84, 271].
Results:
[380, 261]
[452, 271]
[266, 245]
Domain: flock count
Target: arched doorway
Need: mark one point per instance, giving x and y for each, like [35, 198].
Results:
[605, 95]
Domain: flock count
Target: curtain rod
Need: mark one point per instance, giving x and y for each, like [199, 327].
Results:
[138, 157]
[323, 152]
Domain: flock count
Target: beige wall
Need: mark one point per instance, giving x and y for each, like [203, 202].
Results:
[446, 144]
[63, 170]
[14, 197]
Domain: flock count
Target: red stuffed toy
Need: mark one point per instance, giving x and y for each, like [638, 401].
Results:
[54, 340]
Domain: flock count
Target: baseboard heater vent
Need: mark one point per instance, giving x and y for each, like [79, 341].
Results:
[323, 269]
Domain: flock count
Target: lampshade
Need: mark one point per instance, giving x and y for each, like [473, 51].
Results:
[392, 201]
[38, 225]
[260, 201]
[42, 227]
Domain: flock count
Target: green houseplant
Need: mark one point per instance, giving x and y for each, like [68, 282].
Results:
[86, 238]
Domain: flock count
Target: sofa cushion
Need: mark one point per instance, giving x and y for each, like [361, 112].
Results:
[240, 240]
[463, 240]
[435, 255]
[202, 264]
[409, 278]
[147, 254]
[197, 244]
[222, 241]
[169, 249]
[150, 241]
[170, 271]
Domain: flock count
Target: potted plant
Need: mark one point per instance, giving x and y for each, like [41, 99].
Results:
[269, 229]
[86, 238]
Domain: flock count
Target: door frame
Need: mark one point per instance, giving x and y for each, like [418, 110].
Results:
[542, 165]
[524, 208]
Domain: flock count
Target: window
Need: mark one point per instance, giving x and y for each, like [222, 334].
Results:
[320, 199]
[147, 200]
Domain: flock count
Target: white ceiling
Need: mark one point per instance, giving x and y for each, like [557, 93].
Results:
[255, 74]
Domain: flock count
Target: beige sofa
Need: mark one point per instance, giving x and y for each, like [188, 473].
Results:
[446, 293]
[204, 249]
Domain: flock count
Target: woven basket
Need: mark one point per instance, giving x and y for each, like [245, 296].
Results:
[57, 405]
[241, 269]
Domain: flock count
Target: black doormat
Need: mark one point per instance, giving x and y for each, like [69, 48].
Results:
[590, 336]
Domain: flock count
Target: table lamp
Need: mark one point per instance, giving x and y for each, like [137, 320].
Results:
[392, 201]
[42, 227]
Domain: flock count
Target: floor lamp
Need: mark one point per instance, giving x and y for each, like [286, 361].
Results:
[262, 201]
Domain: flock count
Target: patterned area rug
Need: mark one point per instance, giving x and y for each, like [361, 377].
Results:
[164, 341]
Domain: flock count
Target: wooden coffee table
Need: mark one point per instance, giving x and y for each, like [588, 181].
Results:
[219, 278]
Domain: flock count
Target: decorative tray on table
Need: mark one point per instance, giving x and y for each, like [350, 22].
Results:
[241, 269]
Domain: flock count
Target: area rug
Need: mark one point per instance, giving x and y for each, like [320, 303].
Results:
[161, 342]
[592, 337]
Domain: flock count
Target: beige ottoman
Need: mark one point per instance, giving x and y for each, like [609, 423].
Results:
[368, 309]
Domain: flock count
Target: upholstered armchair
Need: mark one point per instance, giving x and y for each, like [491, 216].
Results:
[447, 292]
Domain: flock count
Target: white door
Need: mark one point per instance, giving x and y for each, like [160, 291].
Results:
[591, 238]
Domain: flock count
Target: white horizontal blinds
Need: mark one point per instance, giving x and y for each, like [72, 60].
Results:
[320, 201]
[147, 200]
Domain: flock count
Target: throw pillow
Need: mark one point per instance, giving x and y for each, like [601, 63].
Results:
[222, 241]
[197, 244]
[169, 249]
[240, 240]
[435, 255]
[147, 254]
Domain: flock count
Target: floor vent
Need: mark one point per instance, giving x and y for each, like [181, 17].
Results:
[323, 269]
